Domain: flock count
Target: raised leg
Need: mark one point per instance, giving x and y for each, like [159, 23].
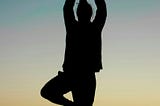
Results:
[55, 89]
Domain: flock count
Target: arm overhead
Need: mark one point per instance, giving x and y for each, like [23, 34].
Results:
[82, 0]
[101, 13]
[68, 12]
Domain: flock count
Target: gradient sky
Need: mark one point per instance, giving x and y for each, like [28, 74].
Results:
[32, 43]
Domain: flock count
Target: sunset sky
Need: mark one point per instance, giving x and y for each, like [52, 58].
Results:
[32, 43]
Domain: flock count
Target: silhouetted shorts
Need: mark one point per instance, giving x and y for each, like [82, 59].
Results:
[82, 87]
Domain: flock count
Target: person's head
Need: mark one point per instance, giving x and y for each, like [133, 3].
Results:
[84, 11]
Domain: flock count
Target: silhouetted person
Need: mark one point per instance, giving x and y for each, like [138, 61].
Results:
[82, 56]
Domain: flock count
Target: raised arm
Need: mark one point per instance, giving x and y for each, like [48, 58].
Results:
[68, 13]
[101, 13]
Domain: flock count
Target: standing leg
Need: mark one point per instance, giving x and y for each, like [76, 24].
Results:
[55, 89]
[84, 90]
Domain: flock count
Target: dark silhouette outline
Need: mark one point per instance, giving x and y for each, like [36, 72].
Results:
[82, 56]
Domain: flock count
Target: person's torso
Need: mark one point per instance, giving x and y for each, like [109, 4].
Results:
[83, 47]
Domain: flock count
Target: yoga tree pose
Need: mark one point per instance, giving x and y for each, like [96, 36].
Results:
[82, 57]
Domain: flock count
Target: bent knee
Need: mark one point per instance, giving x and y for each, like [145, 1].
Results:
[44, 93]
[47, 94]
